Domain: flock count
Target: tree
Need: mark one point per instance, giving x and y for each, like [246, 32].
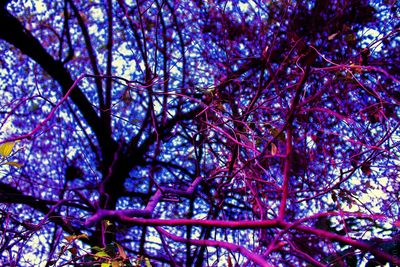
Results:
[196, 133]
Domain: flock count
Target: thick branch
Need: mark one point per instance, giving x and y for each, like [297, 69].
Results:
[91, 52]
[232, 247]
[347, 240]
[12, 31]
[9, 194]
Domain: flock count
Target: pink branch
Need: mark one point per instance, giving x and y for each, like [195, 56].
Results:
[286, 173]
[212, 243]
[51, 114]
[151, 205]
[339, 238]
[124, 216]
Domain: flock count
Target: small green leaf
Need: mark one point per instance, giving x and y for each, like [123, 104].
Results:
[102, 254]
[6, 148]
[13, 163]
[148, 264]
[96, 248]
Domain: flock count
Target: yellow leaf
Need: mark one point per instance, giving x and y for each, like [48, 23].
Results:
[121, 252]
[332, 36]
[148, 264]
[105, 264]
[6, 148]
[13, 163]
[274, 149]
[82, 236]
[70, 238]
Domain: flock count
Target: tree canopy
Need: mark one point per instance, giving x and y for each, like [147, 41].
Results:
[199, 133]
